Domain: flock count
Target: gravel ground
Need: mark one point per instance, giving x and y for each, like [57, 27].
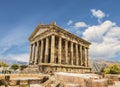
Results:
[117, 84]
[35, 85]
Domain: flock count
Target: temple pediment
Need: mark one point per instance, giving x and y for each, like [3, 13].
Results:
[39, 29]
[46, 30]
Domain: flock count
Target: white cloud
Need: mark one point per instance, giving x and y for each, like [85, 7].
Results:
[14, 37]
[69, 22]
[97, 31]
[98, 14]
[105, 40]
[21, 57]
[78, 32]
[18, 57]
[14, 42]
[75, 29]
[80, 24]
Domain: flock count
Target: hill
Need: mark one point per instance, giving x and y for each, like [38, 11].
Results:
[12, 61]
[97, 64]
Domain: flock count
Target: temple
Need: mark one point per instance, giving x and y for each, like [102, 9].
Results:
[55, 49]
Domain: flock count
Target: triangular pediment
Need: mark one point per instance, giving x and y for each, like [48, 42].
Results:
[39, 30]
[43, 29]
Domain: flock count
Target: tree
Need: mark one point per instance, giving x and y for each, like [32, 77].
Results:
[102, 69]
[15, 66]
[114, 69]
[2, 64]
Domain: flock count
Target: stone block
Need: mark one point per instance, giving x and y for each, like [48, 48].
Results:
[34, 85]
[72, 85]
[24, 85]
[111, 82]
[100, 83]
[34, 82]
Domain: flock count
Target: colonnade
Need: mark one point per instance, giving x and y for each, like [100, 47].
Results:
[56, 50]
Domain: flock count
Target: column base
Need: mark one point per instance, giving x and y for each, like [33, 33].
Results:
[48, 67]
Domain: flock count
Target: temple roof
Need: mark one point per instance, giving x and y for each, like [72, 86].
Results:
[41, 28]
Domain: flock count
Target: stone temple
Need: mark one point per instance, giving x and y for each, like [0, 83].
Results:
[55, 49]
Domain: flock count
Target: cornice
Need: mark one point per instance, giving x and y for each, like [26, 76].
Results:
[55, 29]
[68, 34]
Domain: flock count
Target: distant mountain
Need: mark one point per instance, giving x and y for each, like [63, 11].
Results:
[97, 64]
[12, 61]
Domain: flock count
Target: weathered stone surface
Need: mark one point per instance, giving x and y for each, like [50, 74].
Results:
[31, 69]
[84, 80]
[72, 85]
[100, 83]
[53, 45]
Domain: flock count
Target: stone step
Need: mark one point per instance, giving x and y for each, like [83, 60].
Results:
[31, 69]
[33, 66]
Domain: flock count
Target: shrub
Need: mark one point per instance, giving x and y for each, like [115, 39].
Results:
[15, 66]
[114, 69]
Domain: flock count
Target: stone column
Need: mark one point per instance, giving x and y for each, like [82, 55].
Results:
[52, 49]
[41, 51]
[36, 55]
[81, 56]
[77, 60]
[84, 56]
[46, 50]
[66, 51]
[71, 53]
[33, 54]
[87, 58]
[31, 50]
[59, 50]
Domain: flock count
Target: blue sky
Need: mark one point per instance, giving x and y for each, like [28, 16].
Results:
[94, 20]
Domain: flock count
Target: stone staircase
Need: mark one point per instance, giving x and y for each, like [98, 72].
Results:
[30, 69]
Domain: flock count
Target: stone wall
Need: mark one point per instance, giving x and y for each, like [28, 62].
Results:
[46, 68]
[85, 80]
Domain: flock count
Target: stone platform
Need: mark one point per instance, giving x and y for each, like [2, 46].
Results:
[48, 67]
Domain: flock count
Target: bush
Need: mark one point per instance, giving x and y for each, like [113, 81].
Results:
[102, 69]
[2, 64]
[15, 66]
[114, 69]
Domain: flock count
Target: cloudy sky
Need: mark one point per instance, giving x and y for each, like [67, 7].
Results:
[97, 21]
